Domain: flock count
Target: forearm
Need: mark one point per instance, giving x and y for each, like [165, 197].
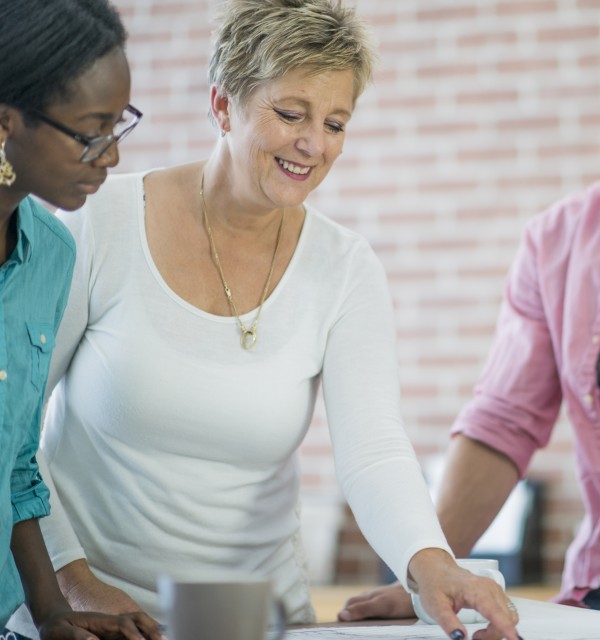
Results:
[477, 481]
[42, 593]
[85, 592]
[72, 575]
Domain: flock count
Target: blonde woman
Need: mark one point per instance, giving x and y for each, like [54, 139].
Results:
[209, 303]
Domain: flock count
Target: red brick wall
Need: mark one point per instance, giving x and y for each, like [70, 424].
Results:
[481, 114]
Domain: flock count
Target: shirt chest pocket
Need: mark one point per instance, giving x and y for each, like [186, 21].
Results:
[41, 336]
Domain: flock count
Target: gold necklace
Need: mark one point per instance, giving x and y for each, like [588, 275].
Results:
[248, 336]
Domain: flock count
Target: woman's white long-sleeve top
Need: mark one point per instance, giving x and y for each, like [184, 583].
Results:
[173, 449]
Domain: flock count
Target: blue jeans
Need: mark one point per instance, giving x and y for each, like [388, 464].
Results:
[592, 599]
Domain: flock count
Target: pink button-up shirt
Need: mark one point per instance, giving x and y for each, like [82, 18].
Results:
[544, 352]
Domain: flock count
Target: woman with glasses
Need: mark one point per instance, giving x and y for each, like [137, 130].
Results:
[209, 302]
[64, 93]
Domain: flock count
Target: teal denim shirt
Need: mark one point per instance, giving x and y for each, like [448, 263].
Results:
[34, 287]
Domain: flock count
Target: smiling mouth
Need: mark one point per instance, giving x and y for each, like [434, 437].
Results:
[293, 168]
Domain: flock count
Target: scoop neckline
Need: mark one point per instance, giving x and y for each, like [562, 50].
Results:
[182, 302]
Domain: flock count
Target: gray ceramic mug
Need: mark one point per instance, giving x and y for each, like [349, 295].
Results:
[220, 610]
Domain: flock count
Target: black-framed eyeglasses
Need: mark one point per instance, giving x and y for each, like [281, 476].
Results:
[95, 147]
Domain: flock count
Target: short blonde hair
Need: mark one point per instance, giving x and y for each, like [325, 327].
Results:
[261, 40]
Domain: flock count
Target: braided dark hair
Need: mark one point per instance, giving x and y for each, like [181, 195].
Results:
[46, 44]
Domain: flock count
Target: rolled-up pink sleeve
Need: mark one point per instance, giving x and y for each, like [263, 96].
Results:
[518, 396]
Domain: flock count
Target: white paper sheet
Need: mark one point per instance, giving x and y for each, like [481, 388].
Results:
[367, 633]
[539, 621]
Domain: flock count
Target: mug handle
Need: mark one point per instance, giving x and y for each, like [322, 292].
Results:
[281, 621]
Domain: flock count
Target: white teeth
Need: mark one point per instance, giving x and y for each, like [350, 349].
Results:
[288, 166]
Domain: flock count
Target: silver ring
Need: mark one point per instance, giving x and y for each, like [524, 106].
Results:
[512, 607]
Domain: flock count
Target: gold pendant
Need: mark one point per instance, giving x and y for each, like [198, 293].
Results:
[248, 338]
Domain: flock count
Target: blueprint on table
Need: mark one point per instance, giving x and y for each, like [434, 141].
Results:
[539, 621]
[429, 633]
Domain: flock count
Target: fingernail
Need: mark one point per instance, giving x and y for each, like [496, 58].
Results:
[344, 615]
[457, 635]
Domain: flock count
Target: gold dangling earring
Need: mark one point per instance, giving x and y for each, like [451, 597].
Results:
[7, 173]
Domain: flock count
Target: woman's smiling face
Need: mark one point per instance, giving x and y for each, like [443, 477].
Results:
[285, 139]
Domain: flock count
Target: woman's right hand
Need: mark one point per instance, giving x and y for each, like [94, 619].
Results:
[85, 592]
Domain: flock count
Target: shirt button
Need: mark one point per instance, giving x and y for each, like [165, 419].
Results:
[3, 375]
[42, 338]
[588, 398]
[595, 339]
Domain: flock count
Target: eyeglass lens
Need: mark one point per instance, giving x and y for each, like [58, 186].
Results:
[122, 128]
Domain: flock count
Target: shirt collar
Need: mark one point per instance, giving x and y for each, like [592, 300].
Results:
[25, 231]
